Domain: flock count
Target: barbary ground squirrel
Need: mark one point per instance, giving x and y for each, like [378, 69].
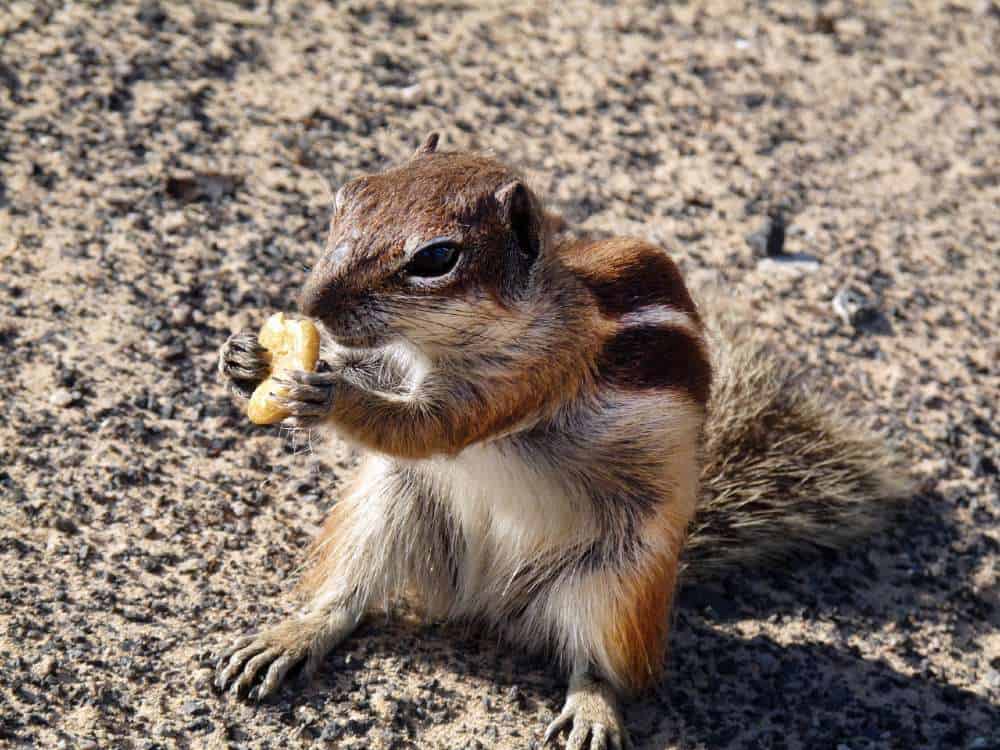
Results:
[553, 432]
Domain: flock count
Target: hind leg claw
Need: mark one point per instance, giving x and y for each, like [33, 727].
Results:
[591, 714]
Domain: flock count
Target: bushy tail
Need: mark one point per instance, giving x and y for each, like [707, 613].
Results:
[785, 470]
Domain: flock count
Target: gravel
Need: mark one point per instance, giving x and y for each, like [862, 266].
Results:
[166, 174]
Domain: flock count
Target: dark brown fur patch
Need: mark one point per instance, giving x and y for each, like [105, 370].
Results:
[626, 274]
[657, 357]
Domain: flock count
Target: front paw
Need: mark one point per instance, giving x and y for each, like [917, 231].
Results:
[242, 363]
[254, 666]
[307, 396]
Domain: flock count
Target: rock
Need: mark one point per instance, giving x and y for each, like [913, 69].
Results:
[858, 310]
[63, 397]
[194, 708]
[791, 263]
[65, 525]
[516, 697]
[988, 8]
[411, 95]
[45, 667]
[982, 465]
[769, 240]
[151, 13]
[204, 186]
[180, 315]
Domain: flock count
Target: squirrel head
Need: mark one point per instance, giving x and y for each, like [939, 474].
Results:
[431, 252]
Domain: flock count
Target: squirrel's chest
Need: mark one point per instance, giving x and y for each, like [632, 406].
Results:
[510, 509]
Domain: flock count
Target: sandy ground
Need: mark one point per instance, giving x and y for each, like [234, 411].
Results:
[165, 175]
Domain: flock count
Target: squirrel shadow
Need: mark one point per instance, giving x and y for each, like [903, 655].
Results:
[874, 600]
[722, 689]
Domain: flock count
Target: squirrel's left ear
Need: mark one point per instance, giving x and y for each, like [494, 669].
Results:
[429, 146]
[520, 211]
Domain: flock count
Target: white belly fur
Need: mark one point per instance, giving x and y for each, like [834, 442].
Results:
[509, 514]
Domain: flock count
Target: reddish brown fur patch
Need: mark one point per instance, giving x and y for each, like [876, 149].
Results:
[322, 553]
[637, 630]
[638, 625]
[657, 357]
[466, 413]
[626, 274]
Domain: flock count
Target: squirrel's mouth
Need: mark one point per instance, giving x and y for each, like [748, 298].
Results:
[357, 338]
[357, 342]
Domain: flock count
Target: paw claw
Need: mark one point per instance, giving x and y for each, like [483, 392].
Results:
[241, 362]
[276, 674]
[592, 711]
[236, 662]
[252, 668]
[255, 666]
[305, 395]
[318, 378]
[226, 654]
[556, 727]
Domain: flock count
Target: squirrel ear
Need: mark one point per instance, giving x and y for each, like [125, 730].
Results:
[429, 146]
[518, 209]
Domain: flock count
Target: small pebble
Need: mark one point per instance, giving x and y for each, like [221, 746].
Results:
[45, 667]
[180, 315]
[194, 708]
[63, 397]
[516, 697]
[855, 308]
[769, 240]
[412, 95]
[796, 264]
[65, 525]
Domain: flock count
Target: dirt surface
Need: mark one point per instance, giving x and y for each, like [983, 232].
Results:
[165, 178]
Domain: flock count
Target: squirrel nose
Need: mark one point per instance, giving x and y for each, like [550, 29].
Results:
[319, 295]
[317, 298]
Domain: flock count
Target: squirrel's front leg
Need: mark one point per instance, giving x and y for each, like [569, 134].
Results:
[387, 534]
[443, 415]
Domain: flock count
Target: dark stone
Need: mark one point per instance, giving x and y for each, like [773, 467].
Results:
[982, 466]
[769, 240]
[194, 708]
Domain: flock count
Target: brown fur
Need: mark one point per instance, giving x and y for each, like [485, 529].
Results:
[785, 471]
[466, 412]
[321, 558]
[625, 274]
[546, 447]
[435, 194]
[680, 361]
[640, 621]
[638, 624]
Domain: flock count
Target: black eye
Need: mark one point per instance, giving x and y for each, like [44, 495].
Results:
[433, 260]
